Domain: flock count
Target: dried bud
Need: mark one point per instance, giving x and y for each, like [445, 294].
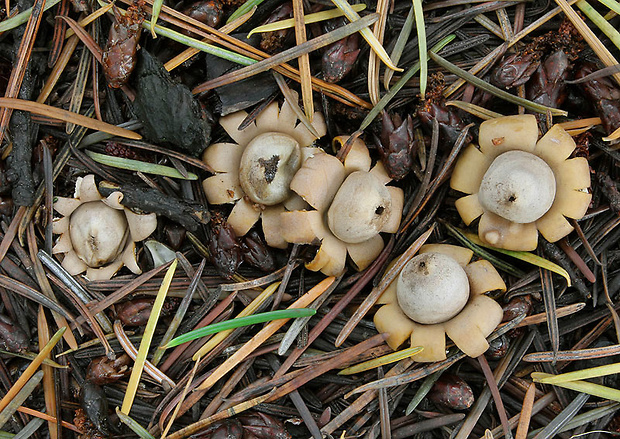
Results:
[256, 253]
[521, 305]
[498, 348]
[516, 69]
[339, 58]
[12, 337]
[226, 254]
[102, 370]
[397, 145]
[263, 426]
[453, 392]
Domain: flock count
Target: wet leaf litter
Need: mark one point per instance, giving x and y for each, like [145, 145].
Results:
[293, 179]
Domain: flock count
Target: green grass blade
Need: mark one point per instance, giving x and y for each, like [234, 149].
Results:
[532, 106]
[239, 322]
[133, 425]
[421, 31]
[136, 165]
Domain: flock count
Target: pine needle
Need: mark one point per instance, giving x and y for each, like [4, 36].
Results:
[263, 335]
[526, 412]
[524, 256]
[308, 19]
[595, 44]
[475, 110]
[138, 166]
[421, 31]
[366, 33]
[30, 370]
[303, 60]
[582, 386]
[600, 22]
[382, 361]
[67, 116]
[145, 344]
[533, 106]
[22, 17]
[583, 374]
[401, 42]
[133, 425]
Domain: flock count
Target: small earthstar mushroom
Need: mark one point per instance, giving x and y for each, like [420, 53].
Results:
[352, 206]
[519, 185]
[98, 235]
[438, 293]
[255, 173]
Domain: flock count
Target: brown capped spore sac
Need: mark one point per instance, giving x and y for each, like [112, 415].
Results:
[119, 55]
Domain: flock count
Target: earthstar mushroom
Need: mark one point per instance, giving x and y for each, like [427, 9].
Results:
[438, 293]
[519, 185]
[255, 173]
[352, 206]
[98, 235]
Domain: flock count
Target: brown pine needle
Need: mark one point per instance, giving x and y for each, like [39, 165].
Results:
[287, 55]
[59, 68]
[67, 116]
[30, 370]
[526, 412]
[23, 56]
[303, 60]
[49, 387]
[264, 334]
[497, 397]
[197, 426]
[45, 416]
[374, 63]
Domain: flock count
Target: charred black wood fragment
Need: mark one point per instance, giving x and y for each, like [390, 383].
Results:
[167, 109]
[187, 213]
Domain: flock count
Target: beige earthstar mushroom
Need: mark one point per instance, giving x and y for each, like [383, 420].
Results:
[438, 293]
[352, 205]
[98, 235]
[255, 172]
[520, 185]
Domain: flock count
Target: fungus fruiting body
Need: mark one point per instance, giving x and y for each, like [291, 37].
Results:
[98, 235]
[438, 293]
[350, 206]
[255, 173]
[519, 185]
